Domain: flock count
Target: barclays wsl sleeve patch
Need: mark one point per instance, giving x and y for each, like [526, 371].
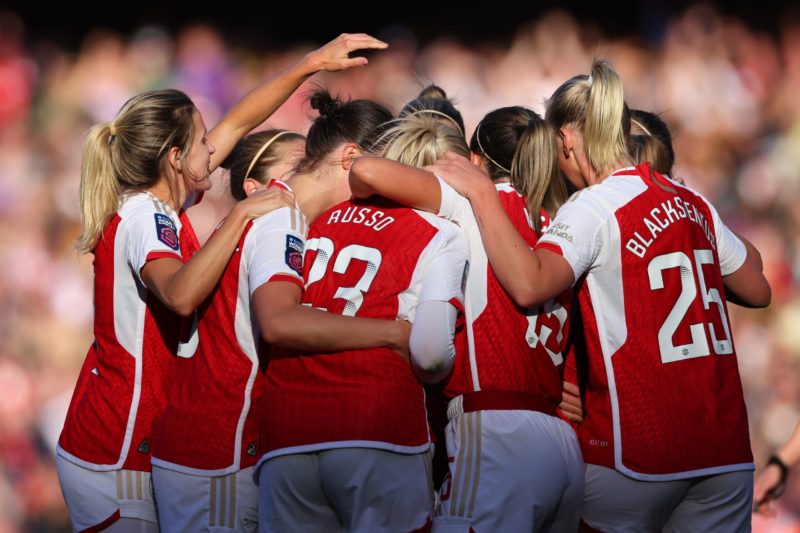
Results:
[166, 231]
[294, 254]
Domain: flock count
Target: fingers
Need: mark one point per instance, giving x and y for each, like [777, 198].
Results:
[571, 388]
[569, 415]
[359, 41]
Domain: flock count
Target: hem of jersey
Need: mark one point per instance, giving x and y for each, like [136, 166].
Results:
[61, 452]
[456, 302]
[160, 255]
[104, 524]
[737, 267]
[200, 472]
[287, 277]
[323, 446]
[724, 469]
[550, 246]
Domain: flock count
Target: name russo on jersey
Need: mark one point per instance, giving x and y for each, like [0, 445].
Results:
[367, 216]
[661, 218]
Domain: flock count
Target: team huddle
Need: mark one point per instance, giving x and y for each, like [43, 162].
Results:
[542, 305]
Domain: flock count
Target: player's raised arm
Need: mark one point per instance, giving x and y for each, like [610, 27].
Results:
[262, 101]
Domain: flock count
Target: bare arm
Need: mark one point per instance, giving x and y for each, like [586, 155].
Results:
[530, 277]
[770, 481]
[748, 286]
[285, 322]
[182, 287]
[404, 184]
[256, 106]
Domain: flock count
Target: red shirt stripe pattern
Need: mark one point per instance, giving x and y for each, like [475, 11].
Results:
[364, 260]
[210, 426]
[510, 348]
[663, 398]
[123, 384]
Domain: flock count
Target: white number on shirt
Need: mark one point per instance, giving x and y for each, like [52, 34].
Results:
[354, 296]
[698, 347]
[554, 314]
[187, 348]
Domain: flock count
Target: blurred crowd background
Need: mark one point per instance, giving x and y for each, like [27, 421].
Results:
[730, 93]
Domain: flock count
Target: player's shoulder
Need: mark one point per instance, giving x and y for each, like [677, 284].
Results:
[447, 233]
[142, 212]
[284, 218]
[137, 204]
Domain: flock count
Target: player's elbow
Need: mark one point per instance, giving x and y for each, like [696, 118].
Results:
[763, 297]
[180, 305]
[526, 296]
[431, 363]
[271, 329]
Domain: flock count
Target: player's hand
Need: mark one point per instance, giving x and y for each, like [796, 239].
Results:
[336, 54]
[767, 488]
[265, 200]
[400, 344]
[571, 405]
[459, 172]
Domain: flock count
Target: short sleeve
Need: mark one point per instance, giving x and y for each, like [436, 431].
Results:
[455, 207]
[575, 234]
[151, 235]
[730, 248]
[274, 248]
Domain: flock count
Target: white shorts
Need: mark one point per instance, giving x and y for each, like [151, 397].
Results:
[213, 504]
[720, 503]
[510, 470]
[98, 499]
[346, 489]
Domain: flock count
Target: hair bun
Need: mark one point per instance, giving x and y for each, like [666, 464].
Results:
[432, 92]
[322, 101]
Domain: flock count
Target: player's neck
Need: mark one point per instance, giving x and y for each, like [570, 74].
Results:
[315, 193]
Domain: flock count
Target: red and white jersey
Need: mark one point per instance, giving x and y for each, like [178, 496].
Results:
[367, 260]
[663, 398]
[123, 385]
[510, 348]
[210, 426]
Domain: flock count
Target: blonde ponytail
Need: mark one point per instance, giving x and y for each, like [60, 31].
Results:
[130, 154]
[605, 132]
[534, 170]
[99, 190]
[595, 105]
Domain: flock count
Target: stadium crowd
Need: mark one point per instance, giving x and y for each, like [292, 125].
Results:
[728, 93]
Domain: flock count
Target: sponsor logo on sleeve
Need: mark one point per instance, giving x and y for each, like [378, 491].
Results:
[561, 231]
[294, 254]
[166, 231]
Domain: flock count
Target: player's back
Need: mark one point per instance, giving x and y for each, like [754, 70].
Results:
[511, 348]
[367, 260]
[664, 393]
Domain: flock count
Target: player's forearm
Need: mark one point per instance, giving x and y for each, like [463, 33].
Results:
[404, 184]
[308, 329]
[256, 107]
[790, 452]
[192, 284]
[516, 266]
